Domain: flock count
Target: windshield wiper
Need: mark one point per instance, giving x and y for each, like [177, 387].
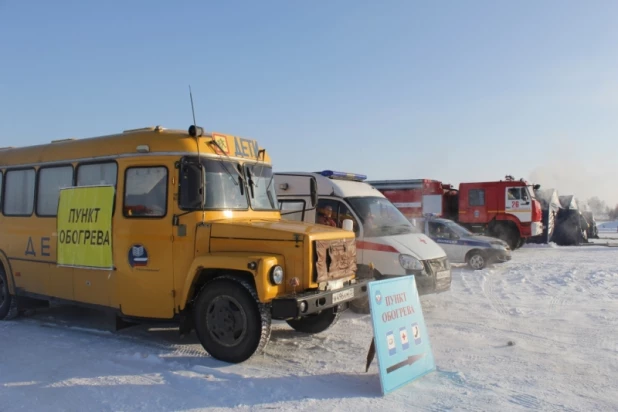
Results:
[213, 141]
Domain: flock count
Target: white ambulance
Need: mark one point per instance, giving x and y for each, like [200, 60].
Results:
[387, 243]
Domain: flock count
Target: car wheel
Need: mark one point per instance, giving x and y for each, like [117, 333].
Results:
[477, 260]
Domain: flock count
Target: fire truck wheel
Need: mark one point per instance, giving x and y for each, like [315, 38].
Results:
[476, 260]
[8, 303]
[315, 323]
[230, 321]
[507, 233]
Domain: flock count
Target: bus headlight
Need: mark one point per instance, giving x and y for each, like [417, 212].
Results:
[410, 263]
[276, 275]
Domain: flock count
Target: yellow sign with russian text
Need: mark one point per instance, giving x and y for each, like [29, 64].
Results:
[84, 226]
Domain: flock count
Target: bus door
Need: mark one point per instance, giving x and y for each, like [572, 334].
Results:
[143, 240]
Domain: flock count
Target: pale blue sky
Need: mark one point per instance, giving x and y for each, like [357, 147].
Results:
[451, 90]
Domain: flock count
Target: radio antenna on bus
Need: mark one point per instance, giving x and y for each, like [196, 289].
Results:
[199, 157]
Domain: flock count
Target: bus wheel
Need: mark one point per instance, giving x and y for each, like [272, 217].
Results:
[315, 323]
[230, 321]
[8, 303]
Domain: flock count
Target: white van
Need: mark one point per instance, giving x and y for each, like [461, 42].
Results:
[387, 243]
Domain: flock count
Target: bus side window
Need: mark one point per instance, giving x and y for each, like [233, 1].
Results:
[96, 174]
[145, 192]
[51, 180]
[19, 192]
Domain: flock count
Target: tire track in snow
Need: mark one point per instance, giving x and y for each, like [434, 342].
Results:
[556, 302]
[495, 301]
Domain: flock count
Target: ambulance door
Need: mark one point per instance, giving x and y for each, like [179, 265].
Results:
[297, 195]
[332, 212]
[295, 208]
[143, 240]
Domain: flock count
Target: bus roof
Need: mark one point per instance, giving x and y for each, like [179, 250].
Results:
[135, 142]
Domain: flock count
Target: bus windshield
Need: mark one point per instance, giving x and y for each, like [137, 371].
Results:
[380, 217]
[261, 187]
[224, 185]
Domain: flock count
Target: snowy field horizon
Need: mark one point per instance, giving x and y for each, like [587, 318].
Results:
[557, 305]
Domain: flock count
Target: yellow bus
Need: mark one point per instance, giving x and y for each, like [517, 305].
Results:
[195, 236]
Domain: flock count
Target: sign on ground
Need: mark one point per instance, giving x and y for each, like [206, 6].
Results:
[400, 335]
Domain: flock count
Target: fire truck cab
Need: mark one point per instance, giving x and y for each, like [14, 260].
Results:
[505, 209]
[387, 243]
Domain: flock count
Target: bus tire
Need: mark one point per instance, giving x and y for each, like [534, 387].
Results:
[230, 321]
[8, 302]
[313, 324]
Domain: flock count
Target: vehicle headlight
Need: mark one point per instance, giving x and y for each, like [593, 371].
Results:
[410, 263]
[276, 275]
[498, 245]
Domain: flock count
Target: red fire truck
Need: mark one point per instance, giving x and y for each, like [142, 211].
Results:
[506, 209]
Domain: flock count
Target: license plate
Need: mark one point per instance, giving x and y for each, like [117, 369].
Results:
[443, 274]
[343, 295]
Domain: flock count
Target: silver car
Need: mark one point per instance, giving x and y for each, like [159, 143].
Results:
[463, 246]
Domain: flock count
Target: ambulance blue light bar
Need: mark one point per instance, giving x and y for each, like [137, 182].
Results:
[343, 175]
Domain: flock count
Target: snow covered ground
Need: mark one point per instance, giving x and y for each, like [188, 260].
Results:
[559, 306]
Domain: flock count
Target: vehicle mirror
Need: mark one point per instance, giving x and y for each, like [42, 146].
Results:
[348, 225]
[313, 187]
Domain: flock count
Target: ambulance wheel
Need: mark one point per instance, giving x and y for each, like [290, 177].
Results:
[313, 324]
[476, 260]
[8, 302]
[230, 321]
[360, 305]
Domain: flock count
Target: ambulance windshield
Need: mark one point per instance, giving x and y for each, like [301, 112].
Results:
[379, 217]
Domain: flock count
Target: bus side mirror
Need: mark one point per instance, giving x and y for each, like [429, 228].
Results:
[191, 193]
